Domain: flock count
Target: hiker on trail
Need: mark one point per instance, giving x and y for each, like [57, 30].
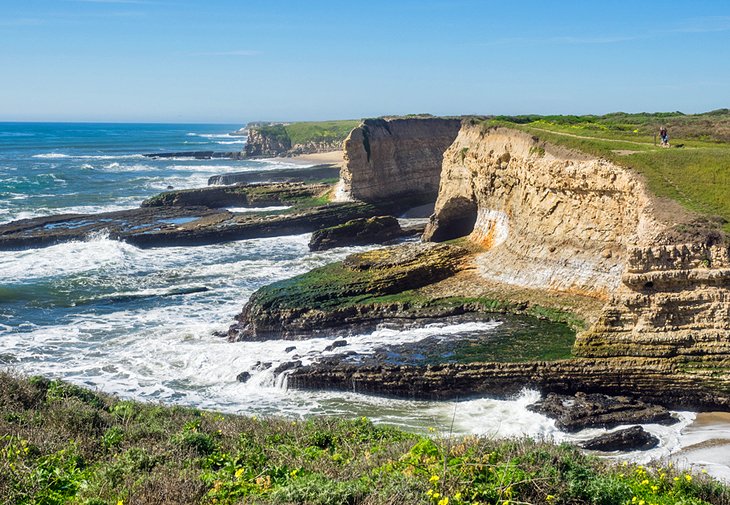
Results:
[664, 136]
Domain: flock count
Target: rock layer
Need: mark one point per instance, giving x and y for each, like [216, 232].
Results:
[372, 230]
[344, 295]
[395, 158]
[549, 218]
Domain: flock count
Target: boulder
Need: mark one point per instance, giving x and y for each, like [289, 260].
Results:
[372, 230]
[635, 438]
[574, 413]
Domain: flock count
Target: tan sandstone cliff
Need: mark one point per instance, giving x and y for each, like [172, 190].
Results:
[558, 220]
[395, 158]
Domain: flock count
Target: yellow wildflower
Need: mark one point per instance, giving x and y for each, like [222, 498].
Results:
[549, 497]
[444, 501]
[239, 472]
[645, 482]
[688, 478]
[434, 478]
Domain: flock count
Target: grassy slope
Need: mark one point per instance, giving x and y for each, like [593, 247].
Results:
[697, 175]
[318, 131]
[63, 444]
[310, 131]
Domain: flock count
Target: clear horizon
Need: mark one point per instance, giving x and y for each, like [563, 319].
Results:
[156, 61]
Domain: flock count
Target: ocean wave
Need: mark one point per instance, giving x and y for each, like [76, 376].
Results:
[212, 135]
[50, 155]
[88, 157]
[230, 142]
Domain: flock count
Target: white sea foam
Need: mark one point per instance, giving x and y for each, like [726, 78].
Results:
[51, 155]
[258, 209]
[88, 157]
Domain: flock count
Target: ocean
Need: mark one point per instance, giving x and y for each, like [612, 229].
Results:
[142, 323]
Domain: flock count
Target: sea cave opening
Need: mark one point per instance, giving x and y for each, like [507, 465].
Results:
[455, 219]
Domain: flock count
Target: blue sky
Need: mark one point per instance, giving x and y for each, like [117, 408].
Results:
[235, 61]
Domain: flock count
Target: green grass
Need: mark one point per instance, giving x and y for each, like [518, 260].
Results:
[62, 444]
[309, 131]
[320, 131]
[696, 175]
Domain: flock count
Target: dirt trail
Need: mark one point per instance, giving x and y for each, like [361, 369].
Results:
[592, 138]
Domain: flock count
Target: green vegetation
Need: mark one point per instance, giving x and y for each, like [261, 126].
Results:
[62, 444]
[320, 131]
[309, 131]
[274, 131]
[695, 171]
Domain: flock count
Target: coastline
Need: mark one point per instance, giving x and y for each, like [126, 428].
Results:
[326, 158]
[705, 445]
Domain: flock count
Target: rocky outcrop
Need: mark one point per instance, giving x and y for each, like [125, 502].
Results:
[267, 141]
[249, 195]
[635, 438]
[656, 380]
[372, 230]
[576, 412]
[548, 217]
[346, 295]
[304, 174]
[167, 226]
[395, 158]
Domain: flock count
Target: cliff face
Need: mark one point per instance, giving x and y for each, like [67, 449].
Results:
[267, 144]
[557, 220]
[549, 218]
[673, 302]
[395, 158]
[272, 140]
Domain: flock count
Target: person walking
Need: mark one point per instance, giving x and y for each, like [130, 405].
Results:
[664, 135]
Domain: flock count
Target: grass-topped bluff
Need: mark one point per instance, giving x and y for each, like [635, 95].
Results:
[278, 139]
[694, 170]
[61, 444]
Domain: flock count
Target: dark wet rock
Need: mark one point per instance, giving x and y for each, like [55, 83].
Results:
[303, 174]
[243, 376]
[260, 366]
[339, 297]
[250, 195]
[574, 413]
[198, 155]
[371, 230]
[289, 365]
[648, 380]
[635, 438]
[336, 344]
[175, 226]
[290, 348]
[121, 225]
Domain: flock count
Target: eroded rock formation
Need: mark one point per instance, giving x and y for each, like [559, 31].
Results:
[565, 222]
[395, 158]
[548, 217]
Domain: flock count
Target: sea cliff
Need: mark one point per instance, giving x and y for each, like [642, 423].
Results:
[559, 221]
[395, 158]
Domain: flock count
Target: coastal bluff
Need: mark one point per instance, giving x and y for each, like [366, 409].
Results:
[392, 158]
[560, 223]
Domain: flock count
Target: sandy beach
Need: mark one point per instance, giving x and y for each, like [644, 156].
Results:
[332, 157]
[706, 445]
